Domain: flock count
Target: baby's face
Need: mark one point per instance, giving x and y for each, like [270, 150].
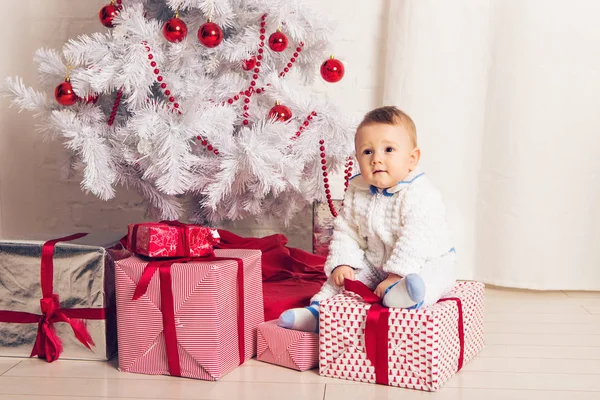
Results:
[385, 154]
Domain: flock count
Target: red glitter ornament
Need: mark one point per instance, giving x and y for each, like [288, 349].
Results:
[249, 63]
[278, 41]
[64, 94]
[107, 14]
[280, 113]
[332, 70]
[210, 34]
[175, 30]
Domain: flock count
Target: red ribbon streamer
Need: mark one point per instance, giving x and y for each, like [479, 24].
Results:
[461, 330]
[47, 343]
[168, 306]
[377, 328]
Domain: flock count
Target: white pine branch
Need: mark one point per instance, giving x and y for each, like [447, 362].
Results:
[24, 97]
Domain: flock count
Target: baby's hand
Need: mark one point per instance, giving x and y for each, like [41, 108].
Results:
[382, 287]
[342, 272]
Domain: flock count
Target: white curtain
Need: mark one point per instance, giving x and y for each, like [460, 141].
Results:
[506, 98]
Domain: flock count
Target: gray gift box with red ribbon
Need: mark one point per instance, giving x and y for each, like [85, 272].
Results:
[58, 300]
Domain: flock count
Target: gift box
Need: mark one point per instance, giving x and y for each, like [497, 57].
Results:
[417, 349]
[57, 297]
[288, 348]
[323, 226]
[192, 317]
[171, 239]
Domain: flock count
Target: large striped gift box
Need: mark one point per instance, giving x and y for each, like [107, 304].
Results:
[418, 349]
[195, 318]
[287, 348]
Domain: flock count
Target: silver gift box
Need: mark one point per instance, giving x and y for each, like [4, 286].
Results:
[83, 278]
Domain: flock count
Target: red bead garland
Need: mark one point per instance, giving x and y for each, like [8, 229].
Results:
[347, 172]
[207, 146]
[293, 59]
[252, 64]
[160, 78]
[304, 125]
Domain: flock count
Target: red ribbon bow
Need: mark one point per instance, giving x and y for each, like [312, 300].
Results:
[47, 343]
[168, 307]
[377, 328]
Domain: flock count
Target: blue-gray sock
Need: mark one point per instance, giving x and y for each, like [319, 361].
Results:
[301, 319]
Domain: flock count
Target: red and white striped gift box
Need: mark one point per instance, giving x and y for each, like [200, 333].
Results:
[205, 302]
[288, 348]
[421, 349]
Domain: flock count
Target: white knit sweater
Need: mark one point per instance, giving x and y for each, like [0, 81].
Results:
[396, 230]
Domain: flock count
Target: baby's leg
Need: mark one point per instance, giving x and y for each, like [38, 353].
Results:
[439, 276]
[307, 318]
[408, 292]
[436, 278]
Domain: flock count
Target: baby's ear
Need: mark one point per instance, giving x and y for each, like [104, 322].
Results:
[415, 156]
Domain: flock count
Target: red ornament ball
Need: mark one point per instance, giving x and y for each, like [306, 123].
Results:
[249, 63]
[278, 41]
[175, 30]
[65, 95]
[332, 70]
[210, 34]
[280, 113]
[107, 14]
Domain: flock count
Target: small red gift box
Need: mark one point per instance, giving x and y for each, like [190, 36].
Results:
[171, 239]
[288, 348]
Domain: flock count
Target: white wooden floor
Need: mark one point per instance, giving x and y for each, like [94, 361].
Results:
[539, 345]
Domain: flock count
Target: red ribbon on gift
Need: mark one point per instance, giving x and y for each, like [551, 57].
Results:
[377, 328]
[183, 245]
[168, 306]
[47, 343]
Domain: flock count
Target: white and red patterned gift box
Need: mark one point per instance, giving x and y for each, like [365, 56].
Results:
[171, 239]
[416, 349]
[195, 318]
[288, 348]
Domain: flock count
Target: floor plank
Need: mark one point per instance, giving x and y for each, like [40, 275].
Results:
[539, 345]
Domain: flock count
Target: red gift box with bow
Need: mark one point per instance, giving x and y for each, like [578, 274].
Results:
[363, 341]
[57, 297]
[189, 317]
[171, 239]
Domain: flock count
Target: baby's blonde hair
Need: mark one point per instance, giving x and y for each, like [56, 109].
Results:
[391, 115]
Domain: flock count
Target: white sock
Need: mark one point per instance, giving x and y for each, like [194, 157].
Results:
[301, 319]
[408, 292]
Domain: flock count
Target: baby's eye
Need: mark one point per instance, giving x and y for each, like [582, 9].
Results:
[389, 149]
[368, 152]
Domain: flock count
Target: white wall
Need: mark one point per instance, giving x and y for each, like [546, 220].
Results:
[34, 197]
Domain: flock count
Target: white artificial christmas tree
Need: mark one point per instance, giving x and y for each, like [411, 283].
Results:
[177, 100]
